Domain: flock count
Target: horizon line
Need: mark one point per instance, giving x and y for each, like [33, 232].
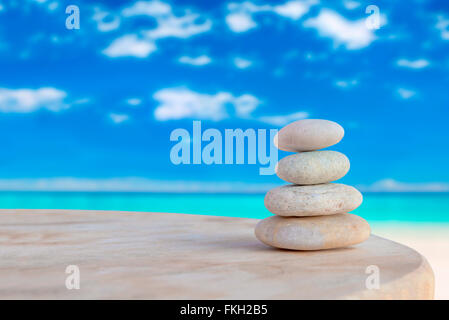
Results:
[199, 192]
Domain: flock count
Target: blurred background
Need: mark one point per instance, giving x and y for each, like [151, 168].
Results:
[86, 113]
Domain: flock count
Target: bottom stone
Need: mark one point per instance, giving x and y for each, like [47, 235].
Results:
[313, 233]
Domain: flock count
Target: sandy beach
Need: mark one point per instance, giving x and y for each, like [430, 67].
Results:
[431, 240]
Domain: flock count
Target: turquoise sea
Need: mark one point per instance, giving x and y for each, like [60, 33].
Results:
[403, 207]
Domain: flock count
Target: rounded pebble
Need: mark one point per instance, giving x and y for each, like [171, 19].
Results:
[313, 233]
[313, 200]
[308, 135]
[313, 167]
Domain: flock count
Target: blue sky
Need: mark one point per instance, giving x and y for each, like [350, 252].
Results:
[92, 109]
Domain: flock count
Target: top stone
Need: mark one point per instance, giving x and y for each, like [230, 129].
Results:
[308, 135]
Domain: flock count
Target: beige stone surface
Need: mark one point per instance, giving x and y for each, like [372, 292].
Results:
[431, 239]
[313, 167]
[312, 200]
[125, 255]
[313, 233]
[308, 135]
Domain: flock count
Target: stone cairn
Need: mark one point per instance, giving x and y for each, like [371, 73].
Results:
[312, 213]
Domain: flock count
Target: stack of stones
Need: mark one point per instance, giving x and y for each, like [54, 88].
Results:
[312, 213]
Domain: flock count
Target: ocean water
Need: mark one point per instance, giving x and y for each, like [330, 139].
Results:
[376, 207]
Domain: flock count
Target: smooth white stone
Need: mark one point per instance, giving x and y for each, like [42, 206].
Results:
[308, 135]
[313, 167]
[312, 200]
[313, 233]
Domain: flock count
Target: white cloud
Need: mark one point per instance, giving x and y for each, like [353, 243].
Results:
[391, 185]
[49, 5]
[29, 100]
[130, 46]
[183, 103]
[314, 56]
[131, 184]
[405, 93]
[195, 61]
[240, 17]
[134, 101]
[351, 5]
[82, 101]
[346, 83]
[149, 8]
[242, 63]
[167, 25]
[53, 6]
[118, 117]
[352, 34]
[413, 64]
[105, 20]
[284, 119]
[240, 22]
[443, 26]
[183, 27]
[245, 104]
[293, 9]
[180, 103]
